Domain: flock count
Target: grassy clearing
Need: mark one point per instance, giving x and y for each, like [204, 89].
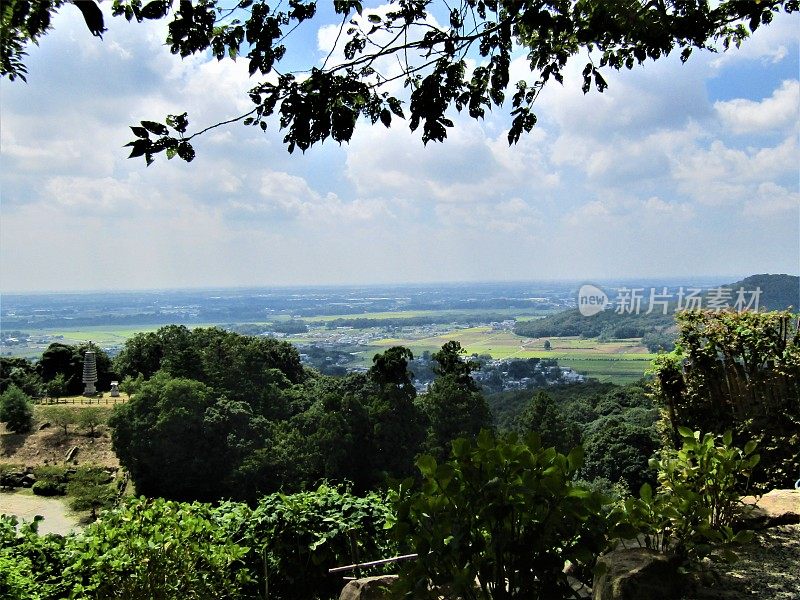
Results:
[616, 371]
[106, 402]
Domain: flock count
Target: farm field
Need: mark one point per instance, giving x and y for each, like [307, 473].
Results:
[103, 336]
[109, 335]
[519, 313]
[620, 361]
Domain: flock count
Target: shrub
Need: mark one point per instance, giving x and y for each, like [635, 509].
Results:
[15, 579]
[49, 488]
[31, 565]
[737, 371]
[89, 489]
[53, 473]
[15, 410]
[501, 512]
[159, 549]
[296, 538]
[698, 497]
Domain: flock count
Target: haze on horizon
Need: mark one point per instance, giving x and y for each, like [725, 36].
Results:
[703, 280]
[675, 171]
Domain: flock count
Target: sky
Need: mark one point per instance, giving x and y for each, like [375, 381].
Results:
[676, 170]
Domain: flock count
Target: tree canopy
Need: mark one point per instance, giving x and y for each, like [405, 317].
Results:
[15, 410]
[444, 55]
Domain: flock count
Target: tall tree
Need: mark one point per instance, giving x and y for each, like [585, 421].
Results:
[15, 410]
[181, 440]
[57, 387]
[543, 416]
[398, 424]
[454, 405]
[67, 360]
[159, 437]
[429, 45]
[22, 373]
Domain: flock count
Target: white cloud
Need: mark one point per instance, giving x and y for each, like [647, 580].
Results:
[623, 183]
[773, 200]
[284, 196]
[723, 175]
[769, 44]
[513, 215]
[779, 111]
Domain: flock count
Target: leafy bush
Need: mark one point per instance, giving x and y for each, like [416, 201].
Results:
[53, 473]
[165, 550]
[15, 580]
[502, 512]
[31, 565]
[90, 490]
[159, 549]
[697, 500]
[295, 539]
[737, 371]
[15, 410]
[47, 487]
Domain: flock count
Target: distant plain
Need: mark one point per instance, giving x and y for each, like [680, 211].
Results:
[620, 361]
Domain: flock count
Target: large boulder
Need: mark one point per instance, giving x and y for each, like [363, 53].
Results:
[778, 507]
[369, 588]
[637, 574]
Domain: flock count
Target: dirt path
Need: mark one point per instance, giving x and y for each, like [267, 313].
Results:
[57, 517]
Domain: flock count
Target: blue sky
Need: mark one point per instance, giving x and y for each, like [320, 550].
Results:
[676, 170]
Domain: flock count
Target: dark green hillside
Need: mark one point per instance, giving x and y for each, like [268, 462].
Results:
[607, 323]
[778, 292]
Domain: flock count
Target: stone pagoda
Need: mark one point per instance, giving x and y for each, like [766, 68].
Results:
[89, 372]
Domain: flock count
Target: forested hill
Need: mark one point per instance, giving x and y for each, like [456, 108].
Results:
[778, 292]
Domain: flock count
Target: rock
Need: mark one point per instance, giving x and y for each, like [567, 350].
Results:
[777, 507]
[28, 480]
[12, 479]
[71, 454]
[637, 574]
[369, 588]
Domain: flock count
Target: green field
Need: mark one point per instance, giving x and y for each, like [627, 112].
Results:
[101, 335]
[525, 314]
[620, 361]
